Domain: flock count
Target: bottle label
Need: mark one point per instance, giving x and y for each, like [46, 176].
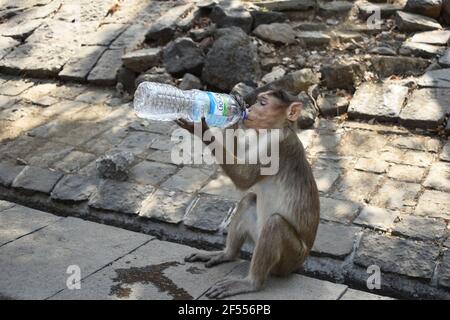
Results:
[218, 104]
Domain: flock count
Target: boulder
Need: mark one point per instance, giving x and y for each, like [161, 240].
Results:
[429, 8]
[277, 73]
[189, 82]
[233, 58]
[115, 165]
[141, 60]
[422, 50]
[308, 113]
[287, 5]
[232, 16]
[314, 38]
[438, 37]
[386, 66]
[279, 33]
[415, 22]
[266, 17]
[155, 74]
[341, 75]
[183, 56]
[331, 105]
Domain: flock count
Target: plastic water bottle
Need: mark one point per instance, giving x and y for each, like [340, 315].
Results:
[157, 101]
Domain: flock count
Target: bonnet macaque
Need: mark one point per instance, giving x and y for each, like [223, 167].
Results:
[280, 212]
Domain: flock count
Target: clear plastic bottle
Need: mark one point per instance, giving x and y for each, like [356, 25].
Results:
[157, 101]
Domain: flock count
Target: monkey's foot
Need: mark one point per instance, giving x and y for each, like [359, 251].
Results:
[231, 287]
[211, 258]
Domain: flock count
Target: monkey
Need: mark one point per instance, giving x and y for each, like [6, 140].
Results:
[280, 213]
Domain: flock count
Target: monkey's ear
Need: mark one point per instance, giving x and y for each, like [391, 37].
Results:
[294, 110]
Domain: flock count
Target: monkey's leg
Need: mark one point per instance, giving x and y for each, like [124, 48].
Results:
[278, 249]
[243, 224]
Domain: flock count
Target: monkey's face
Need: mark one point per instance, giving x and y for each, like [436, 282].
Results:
[269, 112]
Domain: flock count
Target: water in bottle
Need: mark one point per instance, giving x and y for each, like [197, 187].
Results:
[157, 101]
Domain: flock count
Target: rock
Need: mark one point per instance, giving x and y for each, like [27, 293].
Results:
[435, 78]
[200, 34]
[165, 26]
[334, 240]
[294, 83]
[308, 113]
[347, 36]
[266, 17]
[19, 31]
[444, 60]
[155, 74]
[74, 188]
[386, 66]
[131, 38]
[36, 179]
[406, 173]
[426, 108]
[314, 38]
[310, 26]
[396, 195]
[151, 173]
[187, 179]
[337, 210]
[7, 45]
[384, 50]
[279, 33]
[287, 5]
[444, 269]
[269, 63]
[419, 143]
[413, 259]
[79, 66]
[166, 206]
[126, 80]
[422, 50]
[118, 196]
[231, 16]
[382, 102]
[445, 13]
[103, 35]
[437, 37]
[332, 105]
[189, 82]
[371, 165]
[242, 90]
[277, 73]
[334, 8]
[413, 22]
[8, 172]
[208, 213]
[106, 70]
[341, 75]
[141, 60]
[429, 8]
[439, 177]
[445, 154]
[183, 56]
[115, 165]
[420, 228]
[233, 58]
[367, 9]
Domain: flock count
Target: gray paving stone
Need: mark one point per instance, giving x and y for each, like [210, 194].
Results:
[377, 218]
[137, 142]
[362, 143]
[6, 102]
[74, 188]
[447, 242]
[325, 178]
[444, 270]
[6, 205]
[371, 165]
[48, 154]
[381, 102]
[122, 197]
[187, 179]
[130, 38]
[356, 186]
[142, 60]
[445, 154]
[292, 287]
[366, 9]
[161, 156]
[18, 221]
[37, 264]
[15, 87]
[386, 66]
[167, 206]
[106, 69]
[314, 38]
[406, 157]
[406, 173]
[279, 33]
[435, 78]
[79, 66]
[37, 179]
[8, 172]
[67, 91]
[104, 35]
[74, 161]
[208, 213]
[434, 204]
[444, 60]
[405, 257]
[417, 143]
[426, 108]
[439, 177]
[338, 210]
[155, 271]
[351, 294]
[334, 240]
[420, 228]
[396, 195]
[223, 186]
[422, 50]
[152, 173]
[19, 31]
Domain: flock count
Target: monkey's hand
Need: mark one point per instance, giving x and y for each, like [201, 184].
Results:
[231, 287]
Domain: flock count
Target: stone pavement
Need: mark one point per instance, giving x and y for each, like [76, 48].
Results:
[41, 254]
[384, 181]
